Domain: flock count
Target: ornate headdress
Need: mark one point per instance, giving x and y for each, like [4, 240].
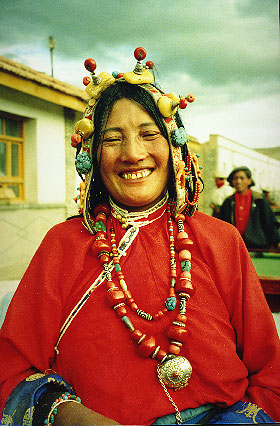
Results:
[186, 170]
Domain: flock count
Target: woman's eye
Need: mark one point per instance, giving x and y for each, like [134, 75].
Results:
[111, 140]
[151, 135]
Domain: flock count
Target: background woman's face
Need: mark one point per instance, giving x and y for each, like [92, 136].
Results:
[135, 156]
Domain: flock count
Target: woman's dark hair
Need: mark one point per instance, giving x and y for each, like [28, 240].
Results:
[98, 192]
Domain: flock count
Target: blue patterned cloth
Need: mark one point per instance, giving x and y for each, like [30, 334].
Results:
[20, 406]
[238, 413]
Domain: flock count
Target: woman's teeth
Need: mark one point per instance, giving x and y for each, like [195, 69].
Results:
[137, 175]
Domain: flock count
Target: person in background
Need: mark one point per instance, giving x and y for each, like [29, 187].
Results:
[132, 312]
[219, 193]
[250, 212]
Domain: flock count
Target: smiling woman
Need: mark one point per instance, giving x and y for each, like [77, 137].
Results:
[137, 297]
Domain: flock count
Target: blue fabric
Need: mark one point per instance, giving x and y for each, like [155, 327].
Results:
[21, 403]
[239, 413]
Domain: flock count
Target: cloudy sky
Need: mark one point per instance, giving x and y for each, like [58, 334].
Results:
[226, 52]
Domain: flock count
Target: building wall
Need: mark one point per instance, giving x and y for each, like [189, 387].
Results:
[50, 179]
[221, 155]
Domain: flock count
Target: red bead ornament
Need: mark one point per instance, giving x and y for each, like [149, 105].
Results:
[136, 335]
[190, 98]
[104, 258]
[121, 311]
[102, 208]
[75, 140]
[182, 243]
[114, 297]
[173, 349]
[140, 53]
[100, 235]
[183, 285]
[160, 355]
[150, 64]
[90, 65]
[120, 75]
[101, 216]
[147, 347]
[177, 333]
[86, 81]
[183, 103]
[99, 246]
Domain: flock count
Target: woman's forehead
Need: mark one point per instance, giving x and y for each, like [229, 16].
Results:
[126, 111]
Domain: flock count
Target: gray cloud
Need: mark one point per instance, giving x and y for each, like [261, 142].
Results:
[223, 50]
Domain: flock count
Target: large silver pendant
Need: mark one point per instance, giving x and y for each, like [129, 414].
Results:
[175, 371]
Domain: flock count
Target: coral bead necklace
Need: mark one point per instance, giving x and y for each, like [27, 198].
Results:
[173, 370]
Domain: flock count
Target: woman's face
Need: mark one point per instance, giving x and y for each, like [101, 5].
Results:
[135, 157]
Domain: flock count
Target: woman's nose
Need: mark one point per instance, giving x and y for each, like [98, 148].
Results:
[133, 150]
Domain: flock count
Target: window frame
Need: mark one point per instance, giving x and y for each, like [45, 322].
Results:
[9, 180]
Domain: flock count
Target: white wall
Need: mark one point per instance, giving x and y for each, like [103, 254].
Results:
[44, 145]
[265, 170]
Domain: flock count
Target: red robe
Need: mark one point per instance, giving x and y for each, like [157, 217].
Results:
[232, 342]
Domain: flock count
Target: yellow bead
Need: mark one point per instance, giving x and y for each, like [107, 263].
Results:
[123, 285]
[166, 106]
[85, 127]
[95, 90]
[145, 78]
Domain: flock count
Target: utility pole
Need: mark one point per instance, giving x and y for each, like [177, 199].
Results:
[51, 46]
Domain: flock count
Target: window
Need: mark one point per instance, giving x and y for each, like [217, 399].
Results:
[11, 157]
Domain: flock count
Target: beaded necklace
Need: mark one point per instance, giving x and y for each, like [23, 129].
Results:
[173, 370]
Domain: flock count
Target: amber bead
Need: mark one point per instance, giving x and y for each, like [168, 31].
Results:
[177, 333]
[181, 318]
[184, 255]
[136, 334]
[115, 297]
[183, 244]
[147, 347]
[180, 217]
[173, 273]
[182, 235]
[185, 274]
[173, 349]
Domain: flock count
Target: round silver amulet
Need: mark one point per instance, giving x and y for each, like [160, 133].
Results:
[175, 372]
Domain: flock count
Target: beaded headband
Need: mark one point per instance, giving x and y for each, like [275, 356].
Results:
[167, 105]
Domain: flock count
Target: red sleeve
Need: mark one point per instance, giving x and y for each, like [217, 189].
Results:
[39, 300]
[257, 340]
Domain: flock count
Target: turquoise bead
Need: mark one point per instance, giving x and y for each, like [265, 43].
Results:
[186, 265]
[170, 303]
[117, 267]
[99, 226]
